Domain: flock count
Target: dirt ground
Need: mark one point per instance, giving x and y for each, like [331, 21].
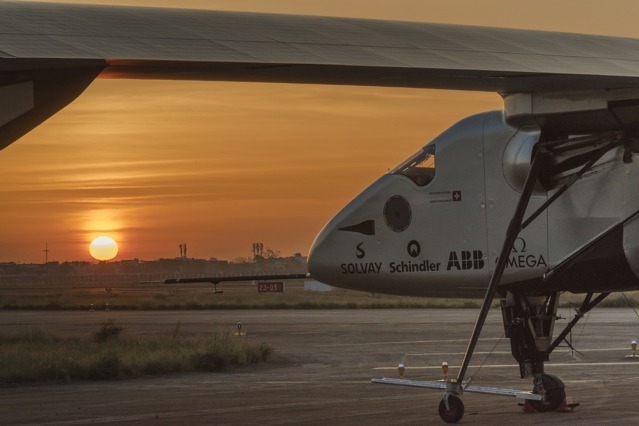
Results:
[321, 370]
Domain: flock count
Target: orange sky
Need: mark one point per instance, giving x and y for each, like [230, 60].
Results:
[222, 165]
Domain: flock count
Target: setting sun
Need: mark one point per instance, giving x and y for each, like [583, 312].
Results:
[103, 248]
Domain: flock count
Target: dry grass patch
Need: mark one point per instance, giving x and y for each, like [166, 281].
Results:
[36, 356]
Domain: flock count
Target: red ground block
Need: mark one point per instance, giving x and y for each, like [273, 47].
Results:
[567, 406]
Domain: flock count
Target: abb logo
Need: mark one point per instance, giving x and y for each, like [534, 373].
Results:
[465, 260]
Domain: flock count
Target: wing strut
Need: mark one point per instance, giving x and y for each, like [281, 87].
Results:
[586, 306]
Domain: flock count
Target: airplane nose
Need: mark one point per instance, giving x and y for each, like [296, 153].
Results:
[352, 236]
[344, 239]
[319, 260]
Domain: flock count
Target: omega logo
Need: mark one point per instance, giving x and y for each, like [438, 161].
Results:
[519, 246]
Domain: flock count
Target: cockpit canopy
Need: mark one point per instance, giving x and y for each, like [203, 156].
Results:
[419, 167]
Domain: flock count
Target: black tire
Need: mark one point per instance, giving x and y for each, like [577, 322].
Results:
[456, 411]
[554, 394]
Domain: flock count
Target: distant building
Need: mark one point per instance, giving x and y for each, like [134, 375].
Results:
[136, 270]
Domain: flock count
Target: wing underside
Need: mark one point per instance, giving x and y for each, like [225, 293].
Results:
[144, 42]
[38, 40]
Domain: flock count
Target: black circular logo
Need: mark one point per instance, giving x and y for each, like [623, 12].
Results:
[397, 213]
[414, 248]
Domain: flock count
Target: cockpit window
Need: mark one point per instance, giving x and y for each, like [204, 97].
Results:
[419, 167]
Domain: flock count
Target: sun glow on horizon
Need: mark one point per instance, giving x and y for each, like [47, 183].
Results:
[103, 248]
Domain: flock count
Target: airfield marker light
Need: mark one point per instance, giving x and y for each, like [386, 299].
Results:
[445, 370]
[239, 331]
[634, 347]
[401, 369]
[106, 307]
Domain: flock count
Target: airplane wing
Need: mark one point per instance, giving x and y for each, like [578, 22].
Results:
[243, 278]
[183, 44]
[238, 279]
[49, 53]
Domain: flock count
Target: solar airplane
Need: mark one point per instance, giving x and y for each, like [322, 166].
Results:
[521, 204]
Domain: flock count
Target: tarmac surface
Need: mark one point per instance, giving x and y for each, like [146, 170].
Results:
[321, 369]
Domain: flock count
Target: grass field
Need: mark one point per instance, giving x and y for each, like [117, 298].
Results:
[36, 356]
[157, 296]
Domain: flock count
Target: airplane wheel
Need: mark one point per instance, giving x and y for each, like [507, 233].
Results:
[454, 413]
[555, 394]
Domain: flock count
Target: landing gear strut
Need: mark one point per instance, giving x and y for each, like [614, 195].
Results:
[529, 323]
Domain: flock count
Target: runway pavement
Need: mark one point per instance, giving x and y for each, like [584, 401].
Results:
[321, 370]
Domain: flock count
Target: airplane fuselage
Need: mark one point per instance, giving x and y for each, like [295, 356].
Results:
[434, 225]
